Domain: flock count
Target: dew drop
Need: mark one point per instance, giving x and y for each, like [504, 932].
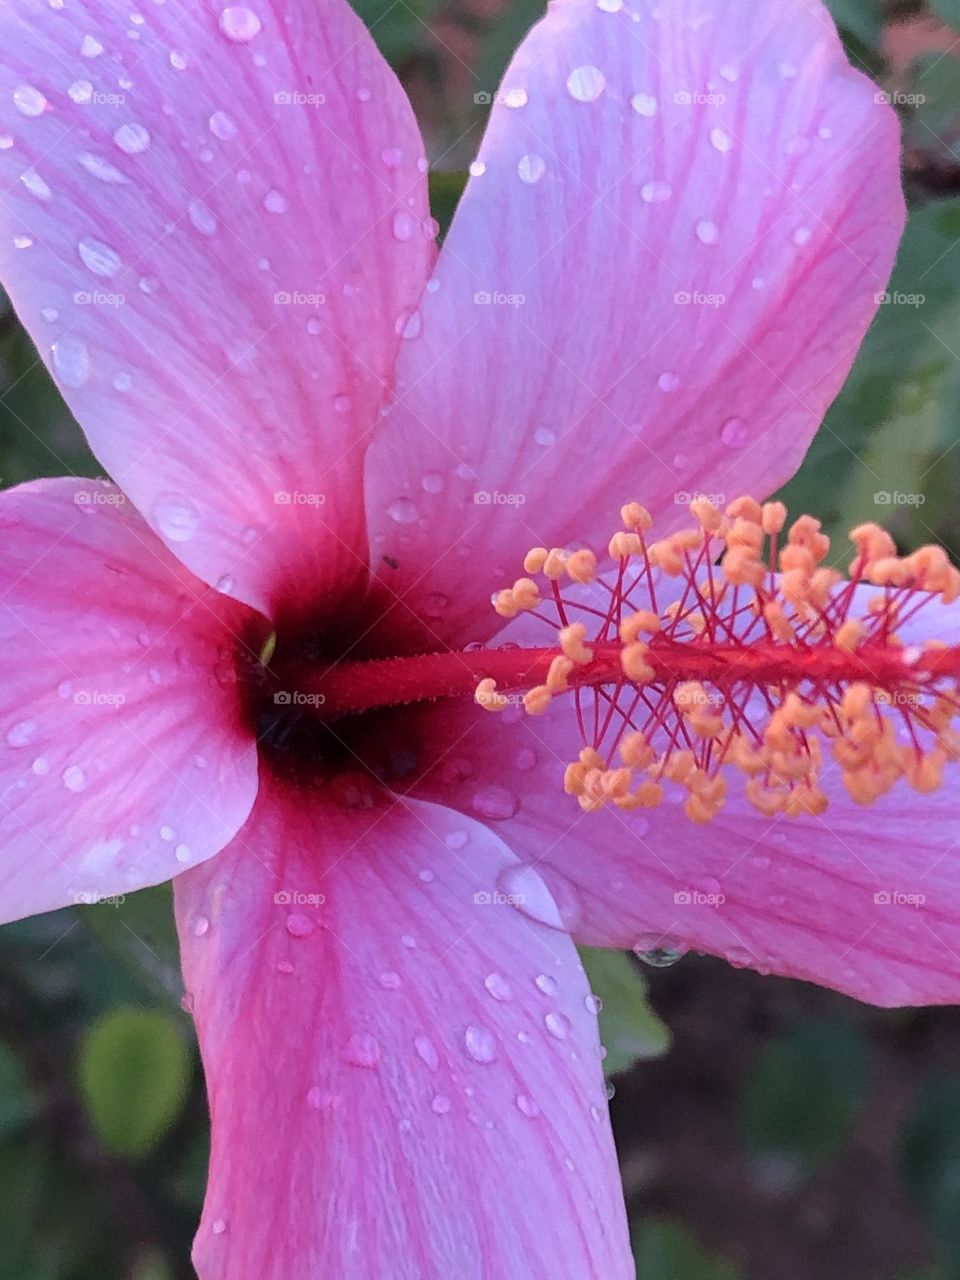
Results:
[426, 1052]
[547, 984]
[433, 482]
[658, 957]
[149, 284]
[668, 381]
[176, 518]
[592, 1003]
[199, 926]
[218, 1226]
[390, 981]
[525, 760]
[101, 169]
[71, 361]
[132, 138]
[41, 766]
[477, 169]
[402, 511]
[391, 157]
[276, 202]
[644, 105]
[802, 236]
[403, 225]
[498, 987]
[74, 778]
[531, 169]
[22, 733]
[80, 92]
[655, 192]
[362, 1050]
[527, 1106]
[735, 433]
[440, 1105]
[183, 853]
[558, 1024]
[90, 47]
[515, 98]
[480, 1044]
[221, 126]
[720, 140]
[586, 84]
[29, 101]
[730, 73]
[239, 24]
[178, 60]
[495, 802]
[35, 184]
[202, 218]
[298, 925]
[99, 257]
[708, 232]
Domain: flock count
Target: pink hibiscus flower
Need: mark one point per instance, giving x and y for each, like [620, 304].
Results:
[331, 448]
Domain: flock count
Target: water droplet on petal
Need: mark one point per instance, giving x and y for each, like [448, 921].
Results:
[403, 225]
[480, 1044]
[720, 140]
[202, 218]
[402, 511]
[239, 24]
[515, 98]
[298, 925]
[658, 957]
[71, 361]
[495, 802]
[132, 138]
[426, 1052]
[390, 981]
[218, 1226]
[362, 1050]
[183, 853]
[527, 1106]
[655, 192]
[735, 433]
[276, 202]
[668, 381]
[531, 169]
[101, 169]
[176, 518]
[36, 185]
[802, 236]
[99, 257]
[592, 1003]
[22, 733]
[74, 778]
[440, 1105]
[498, 987]
[477, 169]
[90, 47]
[558, 1024]
[41, 766]
[29, 101]
[221, 126]
[644, 105]
[199, 925]
[586, 84]
[81, 92]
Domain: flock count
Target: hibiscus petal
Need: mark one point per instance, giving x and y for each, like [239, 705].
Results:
[214, 220]
[122, 753]
[866, 901]
[404, 1073]
[656, 285]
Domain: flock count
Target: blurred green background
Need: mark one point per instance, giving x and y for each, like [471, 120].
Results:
[766, 1129]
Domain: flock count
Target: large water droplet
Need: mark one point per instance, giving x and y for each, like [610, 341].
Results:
[586, 83]
[298, 925]
[525, 888]
[658, 957]
[426, 1052]
[403, 225]
[495, 802]
[668, 381]
[99, 257]
[276, 202]
[29, 101]
[720, 140]
[71, 361]
[480, 1044]
[81, 92]
[547, 984]
[22, 733]
[239, 24]
[221, 126]
[531, 168]
[74, 778]
[132, 138]
[527, 1106]
[101, 169]
[90, 47]
[515, 98]
[735, 433]
[176, 518]
[498, 986]
[440, 1105]
[36, 185]
[707, 232]
[558, 1024]
[644, 105]
[402, 511]
[202, 218]
[655, 192]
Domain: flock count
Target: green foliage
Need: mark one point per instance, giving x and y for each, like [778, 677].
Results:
[804, 1095]
[400, 29]
[667, 1251]
[862, 19]
[134, 1071]
[931, 1162]
[629, 1029]
[947, 11]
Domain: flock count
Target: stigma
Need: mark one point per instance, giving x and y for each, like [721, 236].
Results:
[733, 653]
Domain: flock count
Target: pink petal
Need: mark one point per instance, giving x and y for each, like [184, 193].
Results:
[123, 758]
[866, 901]
[228, 222]
[404, 1073]
[633, 159]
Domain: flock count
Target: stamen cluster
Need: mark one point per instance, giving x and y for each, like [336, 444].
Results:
[765, 662]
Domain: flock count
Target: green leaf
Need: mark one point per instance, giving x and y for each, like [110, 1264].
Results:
[629, 1029]
[861, 18]
[445, 192]
[947, 11]
[498, 48]
[931, 1163]
[134, 1072]
[803, 1096]
[17, 1102]
[139, 928]
[400, 29]
[667, 1251]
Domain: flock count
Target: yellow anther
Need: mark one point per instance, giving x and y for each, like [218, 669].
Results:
[872, 543]
[526, 594]
[633, 660]
[582, 566]
[623, 546]
[926, 773]
[691, 695]
[636, 752]
[537, 701]
[571, 642]
[706, 515]
[574, 779]
[857, 701]
[636, 517]
[666, 555]
[797, 557]
[643, 623]
[505, 604]
[590, 758]
[744, 533]
[555, 564]
[851, 635]
[535, 559]
[773, 517]
[742, 568]
[805, 532]
[486, 696]
[560, 669]
[745, 509]
[648, 795]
